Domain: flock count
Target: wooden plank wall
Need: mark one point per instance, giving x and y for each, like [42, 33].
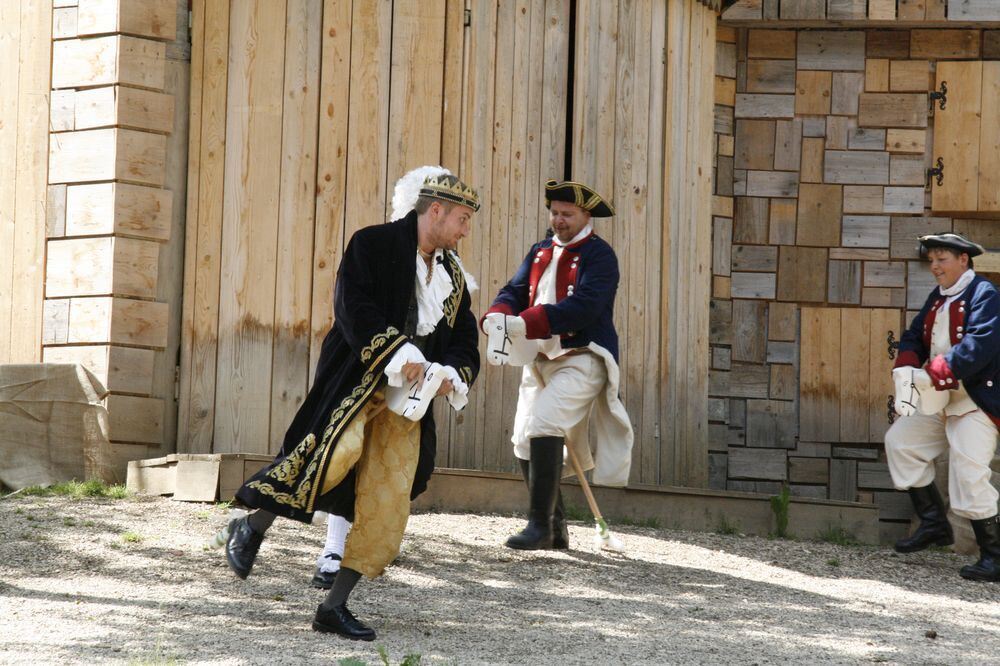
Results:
[822, 138]
[117, 164]
[25, 69]
[386, 86]
[278, 183]
[811, 12]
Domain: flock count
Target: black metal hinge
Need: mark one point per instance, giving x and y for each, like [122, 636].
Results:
[940, 95]
[468, 18]
[890, 340]
[890, 405]
[937, 172]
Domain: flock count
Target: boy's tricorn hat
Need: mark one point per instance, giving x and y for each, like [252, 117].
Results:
[950, 241]
[579, 194]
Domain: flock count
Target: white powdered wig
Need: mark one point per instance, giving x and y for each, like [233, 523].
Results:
[407, 191]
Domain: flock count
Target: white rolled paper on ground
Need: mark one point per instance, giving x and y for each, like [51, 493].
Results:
[505, 348]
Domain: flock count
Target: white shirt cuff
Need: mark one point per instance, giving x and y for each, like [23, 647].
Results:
[408, 353]
[458, 398]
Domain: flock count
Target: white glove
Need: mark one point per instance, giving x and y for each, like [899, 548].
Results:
[516, 328]
[506, 341]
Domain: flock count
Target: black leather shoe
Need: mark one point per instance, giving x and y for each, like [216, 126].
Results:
[242, 547]
[338, 620]
[560, 532]
[987, 569]
[545, 468]
[934, 528]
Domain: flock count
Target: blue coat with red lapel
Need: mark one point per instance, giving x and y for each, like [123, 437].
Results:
[974, 359]
[586, 283]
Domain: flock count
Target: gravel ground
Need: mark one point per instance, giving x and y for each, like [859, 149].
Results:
[130, 581]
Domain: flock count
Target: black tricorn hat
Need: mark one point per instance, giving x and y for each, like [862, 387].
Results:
[578, 194]
[950, 241]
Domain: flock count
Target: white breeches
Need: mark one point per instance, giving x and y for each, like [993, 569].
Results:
[913, 442]
[566, 389]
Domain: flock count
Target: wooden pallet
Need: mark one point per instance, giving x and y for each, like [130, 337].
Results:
[194, 477]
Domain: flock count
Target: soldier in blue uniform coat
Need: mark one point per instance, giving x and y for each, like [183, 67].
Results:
[956, 337]
[563, 296]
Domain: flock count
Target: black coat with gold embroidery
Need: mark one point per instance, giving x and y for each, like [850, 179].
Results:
[375, 285]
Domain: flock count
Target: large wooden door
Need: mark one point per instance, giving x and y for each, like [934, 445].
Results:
[845, 381]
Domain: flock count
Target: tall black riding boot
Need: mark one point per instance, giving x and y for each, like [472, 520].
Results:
[545, 467]
[988, 537]
[560, 532]
[934, 528]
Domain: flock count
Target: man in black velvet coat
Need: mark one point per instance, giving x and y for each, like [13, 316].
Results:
[401, 302]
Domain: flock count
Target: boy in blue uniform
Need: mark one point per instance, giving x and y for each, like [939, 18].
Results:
[957, 335]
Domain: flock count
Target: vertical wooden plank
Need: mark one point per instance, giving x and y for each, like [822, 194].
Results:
[10, 37]
[819, 375]
[31, 186]
[367, 140]
[451, 106]
[293, 286]
[250, 225]
[331, 169]
[495, 261]
[191, 227]
[477, 168]
[957, 133]
[989, 159]
[855, 335]
[200, 422]
[880, 386]
[416, 87]
[651, 393]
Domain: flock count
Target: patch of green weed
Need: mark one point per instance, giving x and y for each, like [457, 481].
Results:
[779, 506]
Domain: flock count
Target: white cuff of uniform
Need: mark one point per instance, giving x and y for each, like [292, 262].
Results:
[458, 398]
[408, 353]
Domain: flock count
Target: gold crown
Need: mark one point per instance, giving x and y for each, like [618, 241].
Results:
[458, 192]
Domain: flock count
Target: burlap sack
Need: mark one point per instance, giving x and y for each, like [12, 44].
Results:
[53, 425]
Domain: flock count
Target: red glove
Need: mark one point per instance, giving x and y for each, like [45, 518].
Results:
[941, 374]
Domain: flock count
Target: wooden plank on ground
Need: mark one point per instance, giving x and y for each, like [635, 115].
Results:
[819, 375]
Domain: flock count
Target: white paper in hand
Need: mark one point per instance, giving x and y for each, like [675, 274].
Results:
[502, 348]
[915, 393]
[414, 398]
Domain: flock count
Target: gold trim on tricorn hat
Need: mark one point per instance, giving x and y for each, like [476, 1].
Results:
[442, 187]
[952, 242]
[577, 194]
